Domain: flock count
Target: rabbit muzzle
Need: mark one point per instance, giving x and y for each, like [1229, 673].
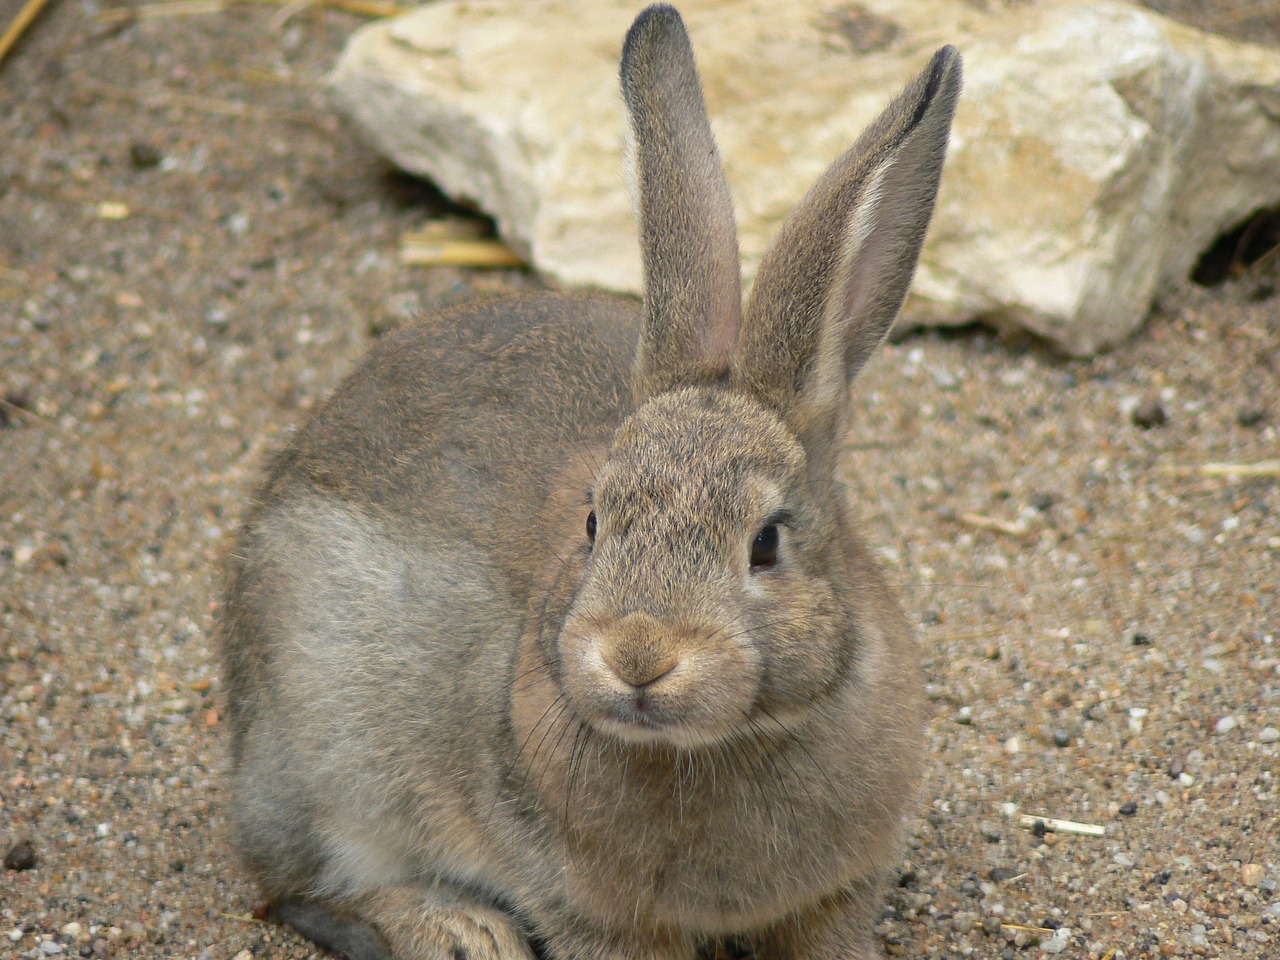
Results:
[645, 681]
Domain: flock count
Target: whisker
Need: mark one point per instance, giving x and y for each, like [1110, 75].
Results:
[799, 742]
[555, 747]
[771, 758]
[580, 737]
[561, 703]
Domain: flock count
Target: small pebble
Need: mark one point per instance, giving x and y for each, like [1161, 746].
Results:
[1130, 808]
[1057, 943]
[1149, 414]
[1251, 416]
[1142, 640]
[51, 948]
[1226, 725]
[144, 155]
[1269, 735]
[1061, 738]
[1251, 874]
[20, 857]
[992, 926]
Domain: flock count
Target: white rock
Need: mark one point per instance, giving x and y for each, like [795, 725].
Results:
[1268, 735]
[1226, 725]
[1097, 151]
[1058, 941]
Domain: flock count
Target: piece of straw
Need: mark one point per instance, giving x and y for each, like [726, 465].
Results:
[456, 242]
[26, 16]
[1054, 825]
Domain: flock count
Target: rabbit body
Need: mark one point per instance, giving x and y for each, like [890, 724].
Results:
[550, 630]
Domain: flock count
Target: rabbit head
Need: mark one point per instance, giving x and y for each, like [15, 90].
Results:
[720, 590]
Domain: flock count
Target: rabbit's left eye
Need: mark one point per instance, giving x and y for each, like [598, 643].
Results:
[764, 549]
[591, 527]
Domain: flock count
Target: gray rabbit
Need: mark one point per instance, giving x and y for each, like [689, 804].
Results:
[550, 633]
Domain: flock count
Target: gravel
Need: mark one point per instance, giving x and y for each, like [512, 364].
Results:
[181, 279]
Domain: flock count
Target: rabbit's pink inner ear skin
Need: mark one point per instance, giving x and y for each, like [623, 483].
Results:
[688, 239]
[831, 285]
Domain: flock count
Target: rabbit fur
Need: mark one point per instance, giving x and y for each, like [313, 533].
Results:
[550, 634]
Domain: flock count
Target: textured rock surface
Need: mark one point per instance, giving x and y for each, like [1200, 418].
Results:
[1098, 150]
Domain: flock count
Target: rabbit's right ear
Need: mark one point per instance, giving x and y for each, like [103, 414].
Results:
[688, 241]
[831, 285]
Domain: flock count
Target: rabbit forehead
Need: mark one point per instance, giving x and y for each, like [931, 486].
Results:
[695, 457]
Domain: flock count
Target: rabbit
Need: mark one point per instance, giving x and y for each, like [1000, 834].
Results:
[549, 634]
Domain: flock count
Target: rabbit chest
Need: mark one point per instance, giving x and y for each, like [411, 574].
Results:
[718, 839]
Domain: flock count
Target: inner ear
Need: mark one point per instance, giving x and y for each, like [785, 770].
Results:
[831, 285]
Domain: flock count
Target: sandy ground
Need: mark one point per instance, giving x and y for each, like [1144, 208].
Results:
[1099, 610]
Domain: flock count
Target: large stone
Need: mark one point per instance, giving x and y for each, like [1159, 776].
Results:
[1097, 151]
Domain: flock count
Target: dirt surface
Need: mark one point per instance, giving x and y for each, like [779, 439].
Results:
[193, 251]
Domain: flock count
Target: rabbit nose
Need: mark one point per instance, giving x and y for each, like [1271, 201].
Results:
[638, 667]
[638, 651]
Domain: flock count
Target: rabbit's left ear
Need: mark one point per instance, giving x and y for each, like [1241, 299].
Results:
[831, 285]
[688, 241]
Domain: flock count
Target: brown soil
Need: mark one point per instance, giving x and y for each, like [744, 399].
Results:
[1099, 611]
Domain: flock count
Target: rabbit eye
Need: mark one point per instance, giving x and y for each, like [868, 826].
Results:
[591, 527]
[764, 549]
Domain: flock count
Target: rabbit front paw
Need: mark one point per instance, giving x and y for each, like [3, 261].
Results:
[435, 923]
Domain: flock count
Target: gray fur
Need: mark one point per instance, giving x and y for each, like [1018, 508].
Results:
[462, 727]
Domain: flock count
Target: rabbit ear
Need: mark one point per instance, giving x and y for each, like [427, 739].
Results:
[832, 283]
[692, 293]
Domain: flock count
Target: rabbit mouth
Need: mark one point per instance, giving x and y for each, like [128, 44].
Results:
[640, 728]
[644, 717]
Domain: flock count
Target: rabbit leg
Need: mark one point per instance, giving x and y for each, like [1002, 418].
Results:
[412, 923]
[838, 928]
[332, 929]
[437, 923]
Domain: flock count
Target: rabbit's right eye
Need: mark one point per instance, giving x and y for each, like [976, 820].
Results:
[591, 527]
